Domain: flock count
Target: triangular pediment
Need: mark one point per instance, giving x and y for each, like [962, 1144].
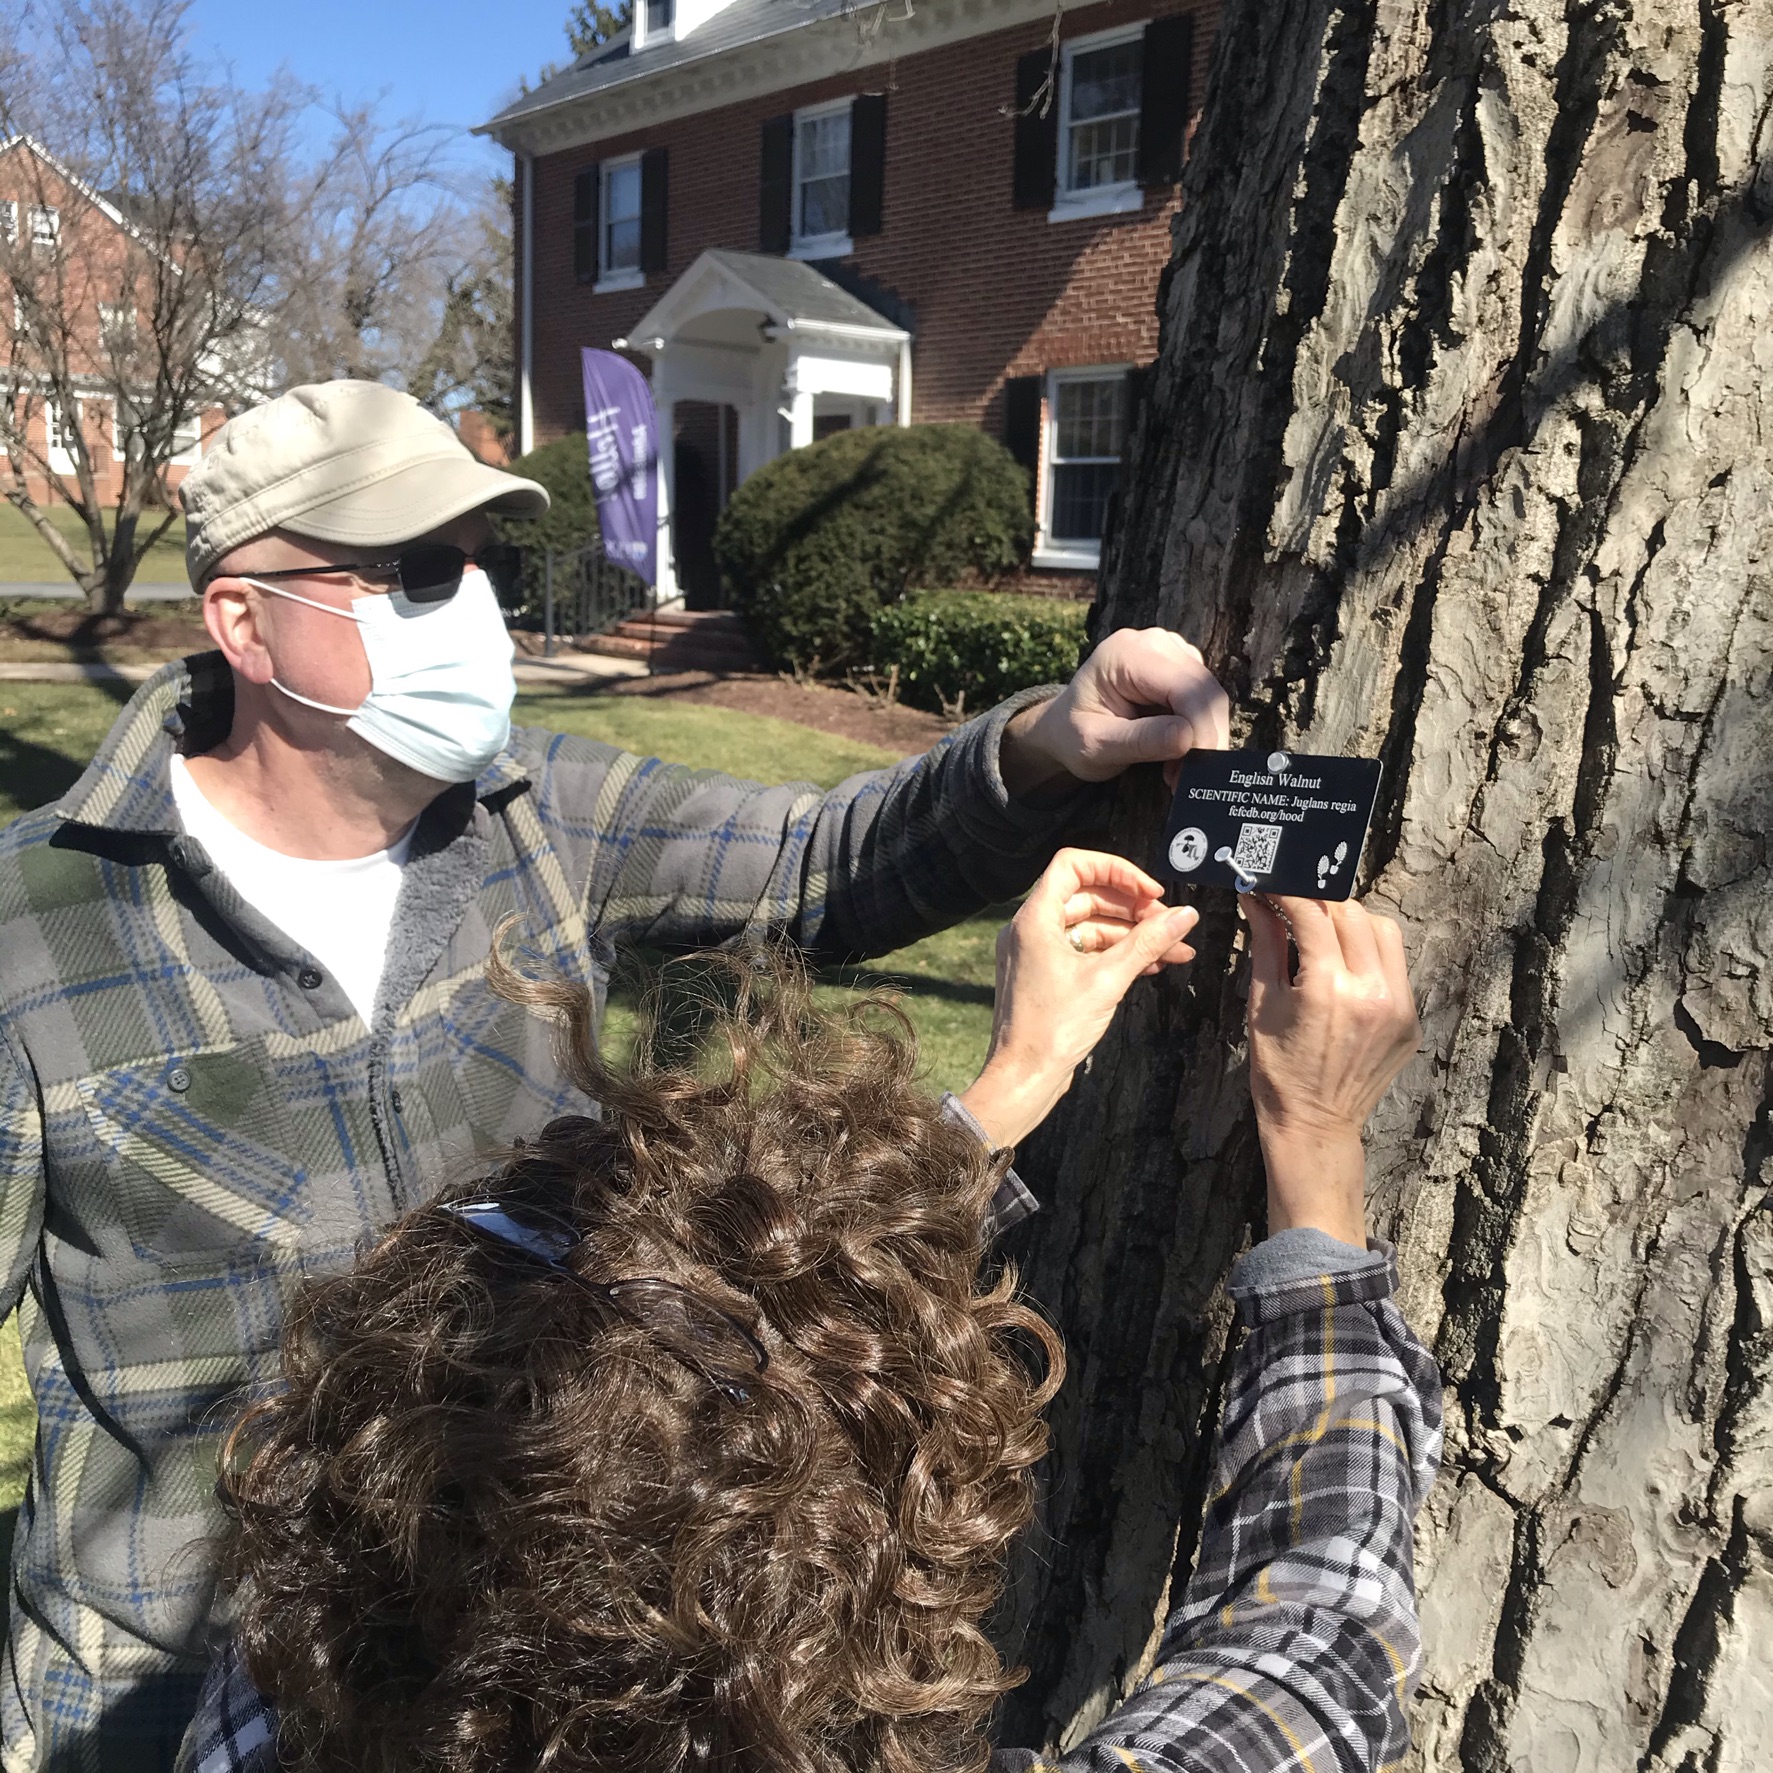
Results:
[785, 293]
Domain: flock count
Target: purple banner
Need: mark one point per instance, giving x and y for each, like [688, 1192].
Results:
[622, 429]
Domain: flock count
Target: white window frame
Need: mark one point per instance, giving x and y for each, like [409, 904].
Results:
[1117, 199]
[192, 452]
[640, 37]
[1068, 554]
[628, 277]
[52, 233]
[9, 220]
[117, 324]
[58, 456]
[836, 244]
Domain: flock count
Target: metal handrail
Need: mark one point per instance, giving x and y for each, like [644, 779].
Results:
[584, 592]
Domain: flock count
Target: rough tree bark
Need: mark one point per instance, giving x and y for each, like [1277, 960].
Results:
[1457, 454]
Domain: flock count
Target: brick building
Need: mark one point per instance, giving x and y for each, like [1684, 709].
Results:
[66, 255]
[804, 217]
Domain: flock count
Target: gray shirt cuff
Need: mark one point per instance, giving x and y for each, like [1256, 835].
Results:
[1301, 1253]
[1012, 1203]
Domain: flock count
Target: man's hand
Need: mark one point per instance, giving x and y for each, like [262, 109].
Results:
[1143, 696]
[1325, 1045]
[1093, 924]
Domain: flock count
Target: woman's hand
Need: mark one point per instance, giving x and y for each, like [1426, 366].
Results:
[1324, 1047]
[1093, 924]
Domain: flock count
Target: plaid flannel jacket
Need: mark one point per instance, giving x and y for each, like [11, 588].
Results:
[192, 1116]
[1295, 1647]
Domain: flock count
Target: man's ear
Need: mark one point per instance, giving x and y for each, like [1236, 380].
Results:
[233, 615]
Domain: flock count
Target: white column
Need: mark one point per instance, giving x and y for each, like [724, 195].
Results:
[797, 403]
[526, 399]
[667, 578]
[903, 379]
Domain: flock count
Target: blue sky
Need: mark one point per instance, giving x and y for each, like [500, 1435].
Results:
[445, 60]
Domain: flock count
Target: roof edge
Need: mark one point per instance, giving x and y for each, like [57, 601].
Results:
[793, 53]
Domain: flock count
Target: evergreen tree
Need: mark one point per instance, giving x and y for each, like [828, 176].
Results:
[591, 24]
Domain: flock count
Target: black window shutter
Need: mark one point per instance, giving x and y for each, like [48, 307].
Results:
[585, 225]
[1037, 137]
[775, 188]
[1163, 98]
[867, 164]
[654, 182]
[1021, 424]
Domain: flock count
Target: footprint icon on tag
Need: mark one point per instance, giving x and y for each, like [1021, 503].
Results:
[1326, 868]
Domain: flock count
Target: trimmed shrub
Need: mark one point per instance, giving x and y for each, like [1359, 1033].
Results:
[564, 468]
[976, 645]
[815, 542]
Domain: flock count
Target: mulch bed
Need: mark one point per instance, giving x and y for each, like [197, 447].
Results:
[86, 636]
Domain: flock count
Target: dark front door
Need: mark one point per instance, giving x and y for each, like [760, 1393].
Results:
[704, 464]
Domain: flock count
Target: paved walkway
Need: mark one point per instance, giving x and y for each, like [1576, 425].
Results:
[571, 667]
[63, 671]
[567, 668]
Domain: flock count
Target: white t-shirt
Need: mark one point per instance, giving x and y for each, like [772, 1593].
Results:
[341, 912]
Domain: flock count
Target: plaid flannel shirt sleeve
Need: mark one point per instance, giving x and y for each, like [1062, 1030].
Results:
[21, 1173]
[684, 858]
[235, 1729]
[1296, 1645]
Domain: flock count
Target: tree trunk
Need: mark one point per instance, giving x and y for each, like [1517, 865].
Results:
[119, 560]
[1456, 454]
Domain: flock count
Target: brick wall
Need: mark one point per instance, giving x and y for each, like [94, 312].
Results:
[997, 291]
[89, 267]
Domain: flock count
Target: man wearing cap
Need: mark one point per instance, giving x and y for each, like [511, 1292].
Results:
[243, 1012]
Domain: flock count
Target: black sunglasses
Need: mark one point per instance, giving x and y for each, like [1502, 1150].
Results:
[430, 572]
[690, 1329]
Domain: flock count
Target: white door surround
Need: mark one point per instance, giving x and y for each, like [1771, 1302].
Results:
[768, 337]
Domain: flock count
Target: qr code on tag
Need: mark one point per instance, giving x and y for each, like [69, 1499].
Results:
[1256, 847]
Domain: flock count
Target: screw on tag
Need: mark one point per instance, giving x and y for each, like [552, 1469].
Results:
[1244, 881]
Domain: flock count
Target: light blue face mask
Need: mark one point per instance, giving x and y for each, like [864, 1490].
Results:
[440, 683]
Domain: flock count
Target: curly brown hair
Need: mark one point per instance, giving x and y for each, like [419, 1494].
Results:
[489, 1524]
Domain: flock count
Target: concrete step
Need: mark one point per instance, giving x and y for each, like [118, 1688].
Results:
[615, 645]
[676, 647]
[625, 643]
[702, 621]
[723, 638]
[714, 632]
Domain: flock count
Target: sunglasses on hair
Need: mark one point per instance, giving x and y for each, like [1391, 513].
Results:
[430, 572]
[704, 1338]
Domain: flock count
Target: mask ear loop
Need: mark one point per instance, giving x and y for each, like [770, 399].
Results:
[328, 609]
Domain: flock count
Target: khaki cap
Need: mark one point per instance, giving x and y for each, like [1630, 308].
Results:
[341, 462]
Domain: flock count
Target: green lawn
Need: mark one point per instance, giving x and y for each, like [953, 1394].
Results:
[47, 733]
[25, 557]
[48, 730]
[751, 745]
